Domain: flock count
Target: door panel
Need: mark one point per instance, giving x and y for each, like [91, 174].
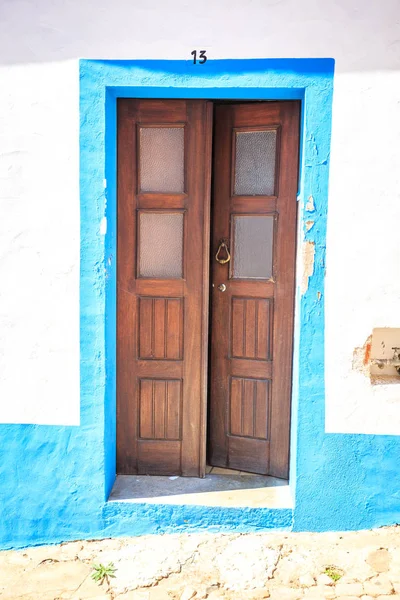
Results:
[255, 169]
[164, 155]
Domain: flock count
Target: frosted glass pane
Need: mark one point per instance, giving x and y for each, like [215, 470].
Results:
[253, 247]
[255, 163]
[160, 245]
[161, 159]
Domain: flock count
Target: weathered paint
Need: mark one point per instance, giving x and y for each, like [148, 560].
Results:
[308, 256]
[309, 225]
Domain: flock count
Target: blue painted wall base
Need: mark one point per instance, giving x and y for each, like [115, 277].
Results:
[54, 481]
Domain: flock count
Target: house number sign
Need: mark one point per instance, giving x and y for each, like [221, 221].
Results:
[199, 57]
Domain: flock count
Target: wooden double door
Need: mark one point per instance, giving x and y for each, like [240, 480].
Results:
[205, 290]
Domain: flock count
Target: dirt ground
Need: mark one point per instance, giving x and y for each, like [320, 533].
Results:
[280, 566]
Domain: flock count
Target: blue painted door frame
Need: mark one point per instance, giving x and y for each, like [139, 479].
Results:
[102, 82]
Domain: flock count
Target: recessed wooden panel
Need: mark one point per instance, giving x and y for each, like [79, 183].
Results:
[251, 330]
[160, 407]
[159, 457]
[160, 328]
[249, 407]
[249, 454]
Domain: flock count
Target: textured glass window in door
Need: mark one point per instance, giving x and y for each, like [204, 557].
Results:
[253, 238]
[161, 245]
[255, 163]
[161, 152]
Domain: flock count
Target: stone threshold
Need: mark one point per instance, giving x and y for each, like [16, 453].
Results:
[220, 487]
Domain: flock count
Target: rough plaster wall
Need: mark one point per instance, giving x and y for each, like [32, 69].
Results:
[40, 43]
[39, 243]
[363, 260]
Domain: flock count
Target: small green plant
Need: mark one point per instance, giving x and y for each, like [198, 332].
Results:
[334, 573]
[102, 573]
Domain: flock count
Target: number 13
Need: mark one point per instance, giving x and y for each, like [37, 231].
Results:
[202, 57]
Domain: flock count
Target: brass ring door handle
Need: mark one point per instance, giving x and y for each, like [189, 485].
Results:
[223, 261]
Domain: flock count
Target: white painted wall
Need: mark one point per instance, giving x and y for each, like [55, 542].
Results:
[363, 256]
[40, 43]
[39, 242]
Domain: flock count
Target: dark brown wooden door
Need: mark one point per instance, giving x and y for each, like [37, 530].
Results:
[163, 236]
[255, 170]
